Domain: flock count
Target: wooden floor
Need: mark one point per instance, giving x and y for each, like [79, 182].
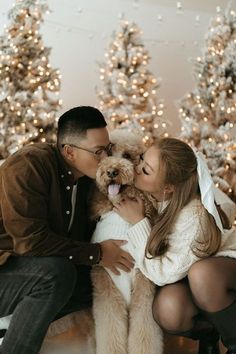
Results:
[69, 343]
[78, 338]
[180, 345]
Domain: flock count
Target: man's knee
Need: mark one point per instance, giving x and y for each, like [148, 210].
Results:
[57, 273]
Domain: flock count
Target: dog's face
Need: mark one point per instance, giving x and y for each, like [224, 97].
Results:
[126, 145]
[127, 151]
[114, 174]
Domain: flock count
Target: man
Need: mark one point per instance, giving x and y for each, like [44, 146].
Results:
[45, 254]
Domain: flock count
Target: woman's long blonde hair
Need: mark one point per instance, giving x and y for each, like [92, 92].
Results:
[179, 168]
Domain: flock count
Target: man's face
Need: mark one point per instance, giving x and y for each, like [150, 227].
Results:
[84, 158]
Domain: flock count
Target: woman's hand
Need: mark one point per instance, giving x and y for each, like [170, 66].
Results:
[131, 210]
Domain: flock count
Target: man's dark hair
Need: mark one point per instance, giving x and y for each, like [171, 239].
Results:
[78, 120]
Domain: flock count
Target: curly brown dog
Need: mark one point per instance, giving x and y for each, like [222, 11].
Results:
[122, 304]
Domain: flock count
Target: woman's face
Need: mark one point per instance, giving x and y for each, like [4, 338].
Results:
[149, 174]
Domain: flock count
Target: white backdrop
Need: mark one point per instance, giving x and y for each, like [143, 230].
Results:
[79, 32]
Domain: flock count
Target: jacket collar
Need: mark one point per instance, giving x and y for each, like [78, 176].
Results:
[65, 171]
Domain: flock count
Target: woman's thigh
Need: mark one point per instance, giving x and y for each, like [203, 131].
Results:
[173, 307]
[213, 282]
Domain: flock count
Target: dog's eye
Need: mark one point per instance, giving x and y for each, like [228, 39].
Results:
[141, 157]
[126, 155]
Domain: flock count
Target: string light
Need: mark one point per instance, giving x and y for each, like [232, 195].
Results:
[17, 60]
[215, 62]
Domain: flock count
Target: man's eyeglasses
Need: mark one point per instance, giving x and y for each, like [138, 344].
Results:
[98, 154]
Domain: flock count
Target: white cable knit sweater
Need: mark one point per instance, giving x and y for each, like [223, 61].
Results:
[175, 264]
[112, 226]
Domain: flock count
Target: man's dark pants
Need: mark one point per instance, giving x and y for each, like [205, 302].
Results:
[38, 290]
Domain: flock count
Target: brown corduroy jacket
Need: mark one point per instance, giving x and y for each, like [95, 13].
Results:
[35, 208]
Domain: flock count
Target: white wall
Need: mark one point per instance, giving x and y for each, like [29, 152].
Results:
[79, 32]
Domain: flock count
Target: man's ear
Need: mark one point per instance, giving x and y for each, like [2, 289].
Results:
[68, 152]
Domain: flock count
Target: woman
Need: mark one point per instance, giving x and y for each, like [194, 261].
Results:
[187, 228]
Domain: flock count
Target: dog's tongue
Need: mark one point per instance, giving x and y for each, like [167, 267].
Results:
[113, 189]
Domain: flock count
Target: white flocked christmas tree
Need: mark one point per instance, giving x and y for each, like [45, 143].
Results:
[28, 85]
[129, 95]
[208, 113]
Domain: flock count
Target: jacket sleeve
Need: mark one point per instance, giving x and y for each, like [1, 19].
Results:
[24, 203]
[174, 265]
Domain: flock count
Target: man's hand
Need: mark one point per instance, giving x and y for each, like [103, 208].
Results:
[114, 257]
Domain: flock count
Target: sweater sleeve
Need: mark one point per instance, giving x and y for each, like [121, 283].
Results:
[174, 265]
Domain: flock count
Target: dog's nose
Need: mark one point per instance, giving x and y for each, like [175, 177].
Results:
[112, 173]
